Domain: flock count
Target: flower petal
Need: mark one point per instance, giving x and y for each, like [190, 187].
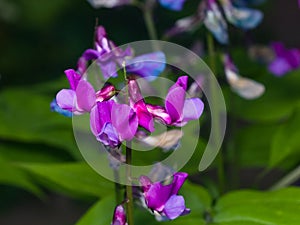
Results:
[178, 180]
[108, 4]
[192, 110]
[279, 67]
[242, 17]
[91, 54]
[175, 5]
[215, 22]
[86, 96]
[174, 103]
[157, 196]
[55, 108]
[73, 78]
[148, 65]
[108, 68]
[124, 120]
[66, 99]
[119, 216]
[174, 207]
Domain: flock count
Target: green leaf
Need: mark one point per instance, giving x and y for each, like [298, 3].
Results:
[263, 208]
[72, 178]
[25, 116]
[196, 198]
[286, 141]
[11, 175]
[99, 214]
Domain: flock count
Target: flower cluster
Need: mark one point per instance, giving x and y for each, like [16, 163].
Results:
[112, 122]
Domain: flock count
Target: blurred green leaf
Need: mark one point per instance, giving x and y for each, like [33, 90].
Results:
[99, 214]
[11, 175]
[196, 198]
[75, 178]
[26, 116]
[285, 142]
[252, 207]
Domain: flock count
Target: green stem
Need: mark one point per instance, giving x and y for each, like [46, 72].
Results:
[118, 187]
[214, 109]
[287, 180]
[129, 195]
[148, 17]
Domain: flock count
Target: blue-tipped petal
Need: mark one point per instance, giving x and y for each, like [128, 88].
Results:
[244, 18]
[216, 24]
[148, 65]
[175, 5]
[55, 108]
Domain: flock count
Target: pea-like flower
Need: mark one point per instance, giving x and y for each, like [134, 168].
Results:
[119, 217]
[81, 96]
[108, 56]
[163, 200]
[112, 123]
[285, 60]
[178, 110]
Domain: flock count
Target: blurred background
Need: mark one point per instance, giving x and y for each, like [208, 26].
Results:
[38, 41]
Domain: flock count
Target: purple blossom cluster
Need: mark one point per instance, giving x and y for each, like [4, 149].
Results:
[113, 122]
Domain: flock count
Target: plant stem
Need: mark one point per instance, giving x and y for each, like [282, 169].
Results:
[129, 195]
[214, 109]
[148, 17]
[118, 187]
[288, 179]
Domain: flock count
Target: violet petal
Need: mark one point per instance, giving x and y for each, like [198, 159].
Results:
[86, 96]
[73, 78]
[174, 207]
[66, 99]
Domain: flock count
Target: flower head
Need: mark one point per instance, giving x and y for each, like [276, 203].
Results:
[163, 200]
[285, 60]
[119, 217]
[81, 96]
[178, 110]
[109, 3]
[109, 127]
[108, 56]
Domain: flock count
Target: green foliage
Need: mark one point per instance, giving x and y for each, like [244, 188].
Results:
[73, 178]
[253, 207]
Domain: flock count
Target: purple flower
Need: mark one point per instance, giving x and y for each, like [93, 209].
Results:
[108, 3]
[163, 200]
[119, 217]
[80, 98]
[108, 57]
[286, 60]
[138, 104]
[178, 110]
[106, 53]
[241, 17]
[175, 5]
[109, 127]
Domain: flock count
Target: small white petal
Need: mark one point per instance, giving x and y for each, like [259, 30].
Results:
[244, 87]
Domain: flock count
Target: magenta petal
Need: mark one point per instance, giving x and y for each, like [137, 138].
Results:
[73, 78]
[175, 102]
[119, 216]
[94, 121]
[174, 207]
[159, 113]
[178, 180]
[86, 96]
[192, 110]
[66, 99]
[157, 196]
[90, 54]
[144, 117]
[181, 82]
[124, 120]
